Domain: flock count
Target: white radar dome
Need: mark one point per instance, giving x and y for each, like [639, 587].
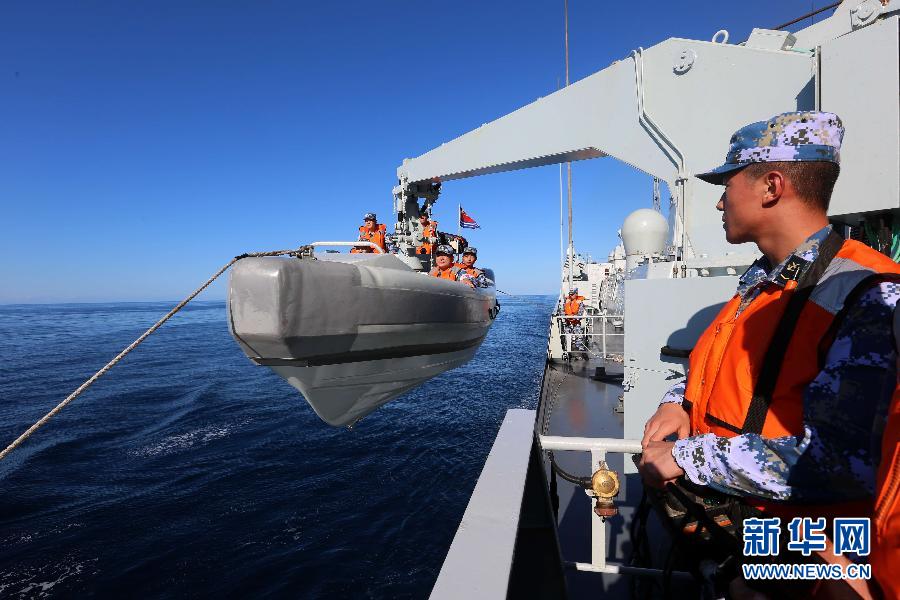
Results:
[645, 231]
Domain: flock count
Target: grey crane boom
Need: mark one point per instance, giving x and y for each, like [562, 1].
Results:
[666, 110]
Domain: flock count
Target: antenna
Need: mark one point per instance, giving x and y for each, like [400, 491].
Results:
[562, 259]
[569, 164]
[656, 204]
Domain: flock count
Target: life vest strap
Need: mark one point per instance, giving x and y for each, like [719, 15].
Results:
[774, 359]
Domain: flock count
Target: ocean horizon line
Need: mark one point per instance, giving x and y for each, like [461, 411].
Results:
[4, 304]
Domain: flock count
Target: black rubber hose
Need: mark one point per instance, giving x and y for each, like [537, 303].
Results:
[584, 482]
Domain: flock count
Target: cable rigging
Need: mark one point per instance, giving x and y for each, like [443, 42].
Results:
[84, 386]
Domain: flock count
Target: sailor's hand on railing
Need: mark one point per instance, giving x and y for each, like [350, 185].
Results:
[669, 418]
[658, 466]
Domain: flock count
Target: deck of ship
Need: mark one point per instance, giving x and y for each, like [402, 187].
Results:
[582, 397]
[575, 403]
[506, 544]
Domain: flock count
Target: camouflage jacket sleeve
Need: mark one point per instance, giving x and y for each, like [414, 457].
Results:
[466, 278]
[481, 280]
[844, 410]
[675, 394]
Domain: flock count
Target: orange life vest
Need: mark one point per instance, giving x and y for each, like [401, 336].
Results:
[726, 362]
[474, 272]
[376, 237]
[573, 306]
[430, 231]
[885, 557]
[452, 273]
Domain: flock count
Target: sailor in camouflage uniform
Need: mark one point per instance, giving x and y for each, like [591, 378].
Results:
[445, 269]
[833, 455]
[478, 278]
[573, 306]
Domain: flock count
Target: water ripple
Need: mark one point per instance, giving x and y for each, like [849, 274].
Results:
[189, 471]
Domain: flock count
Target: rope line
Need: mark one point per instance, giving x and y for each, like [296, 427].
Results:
[808, 15]
[18, 441]
[522, 299]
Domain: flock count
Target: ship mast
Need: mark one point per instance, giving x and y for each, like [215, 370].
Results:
[571, 250]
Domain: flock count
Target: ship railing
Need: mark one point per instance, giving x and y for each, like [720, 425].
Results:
[599, 448]
[602, 336]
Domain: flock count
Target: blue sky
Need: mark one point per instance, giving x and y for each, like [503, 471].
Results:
[145, 143]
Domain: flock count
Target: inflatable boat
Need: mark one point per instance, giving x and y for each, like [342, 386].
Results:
[354, 331]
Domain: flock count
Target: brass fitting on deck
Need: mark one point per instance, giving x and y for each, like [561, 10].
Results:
[605, 486]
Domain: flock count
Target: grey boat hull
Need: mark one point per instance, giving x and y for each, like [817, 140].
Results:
[352, 332]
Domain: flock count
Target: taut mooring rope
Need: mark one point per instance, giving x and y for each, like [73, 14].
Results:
[522, 299]
[18, 441]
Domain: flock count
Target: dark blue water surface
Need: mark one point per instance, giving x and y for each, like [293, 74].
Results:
[189, 471]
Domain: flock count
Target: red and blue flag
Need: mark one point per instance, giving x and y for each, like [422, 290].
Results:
[467, 222]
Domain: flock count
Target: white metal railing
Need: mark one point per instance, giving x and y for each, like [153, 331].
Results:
[591, 333]
[599, 448]
[375, 246]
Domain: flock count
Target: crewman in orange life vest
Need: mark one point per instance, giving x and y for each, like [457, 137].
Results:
[469, 256]
[428, 237]
[574, 330]
[573, 306]
[788, 388]
[445, 269]
[371, 231]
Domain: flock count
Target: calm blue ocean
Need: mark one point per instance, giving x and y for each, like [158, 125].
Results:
[187, 471]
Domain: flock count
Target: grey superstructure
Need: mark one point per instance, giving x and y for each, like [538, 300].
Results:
[665, 111]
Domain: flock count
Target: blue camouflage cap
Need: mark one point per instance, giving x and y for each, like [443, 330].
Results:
[470, 250]
[444, 249]
[806, 136]
[370, 217]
